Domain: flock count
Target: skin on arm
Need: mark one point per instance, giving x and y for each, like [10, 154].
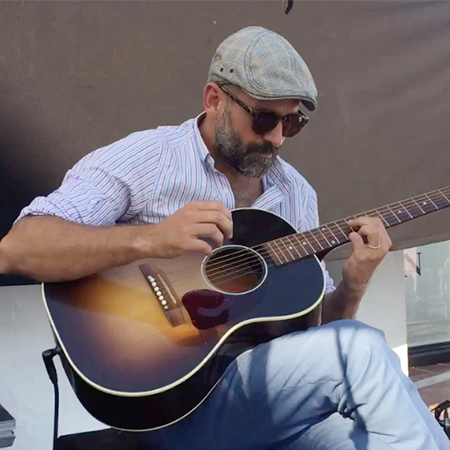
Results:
[343, 303]
[48, 248]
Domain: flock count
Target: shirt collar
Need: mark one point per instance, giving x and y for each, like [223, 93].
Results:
[200, 143]
[277, 174]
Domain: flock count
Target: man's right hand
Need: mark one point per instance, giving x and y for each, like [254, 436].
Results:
[180, 232]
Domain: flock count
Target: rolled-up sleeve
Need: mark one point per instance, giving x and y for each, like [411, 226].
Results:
[111, 184]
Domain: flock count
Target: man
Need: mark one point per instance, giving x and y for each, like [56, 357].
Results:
[336, 386]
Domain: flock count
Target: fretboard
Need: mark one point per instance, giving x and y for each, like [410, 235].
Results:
[326, 237]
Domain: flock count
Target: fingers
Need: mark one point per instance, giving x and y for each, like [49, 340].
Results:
[357, 241]
[373, 230]
[183, 230]
[372, 234]
[213, 213]
[197, 245]
[206, 230]
[219, 219]
[365, 220]
[213, 206]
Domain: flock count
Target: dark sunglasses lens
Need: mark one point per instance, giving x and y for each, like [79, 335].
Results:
[292, 125]
[264, 122]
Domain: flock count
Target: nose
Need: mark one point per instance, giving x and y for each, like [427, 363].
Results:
[275, 137]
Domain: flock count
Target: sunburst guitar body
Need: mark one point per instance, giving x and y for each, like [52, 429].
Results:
[144, 344]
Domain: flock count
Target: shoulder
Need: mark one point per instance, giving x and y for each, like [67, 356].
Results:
[140, 147]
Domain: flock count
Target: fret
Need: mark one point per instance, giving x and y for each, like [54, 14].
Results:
[415, 211]
[431, 200]
[424, 204]
[280, 249]
[371, 213]
[321, 232]
[354, 218]
[306, 241]
[393, 213]
[316, 240]
[294, 247]
[298, 242]
[390, 217]
[444, 195]
[440, 200]
[335, 237]
[340, 229]
[382, 217]
[441, 203]
[302, 244]
[274, 252]
[406, 209]
[418, 205]
[287, 248]
[303, 249]
[401, 210]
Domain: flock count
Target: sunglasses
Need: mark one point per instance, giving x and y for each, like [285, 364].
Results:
[264, 122]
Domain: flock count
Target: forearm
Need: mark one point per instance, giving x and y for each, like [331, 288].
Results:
[343, 303]
[50, 249]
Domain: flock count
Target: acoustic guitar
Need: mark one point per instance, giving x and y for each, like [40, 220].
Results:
[144, 344]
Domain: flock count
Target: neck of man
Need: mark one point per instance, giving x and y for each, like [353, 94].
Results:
[208, 133]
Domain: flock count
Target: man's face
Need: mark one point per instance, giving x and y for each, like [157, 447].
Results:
[250, 154]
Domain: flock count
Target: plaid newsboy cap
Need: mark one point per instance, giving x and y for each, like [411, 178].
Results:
[264, 65]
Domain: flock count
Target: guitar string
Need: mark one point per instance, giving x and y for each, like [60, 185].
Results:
[250, 268]
[327, 233]
[252, 271]
[231, 260]
[236, 256]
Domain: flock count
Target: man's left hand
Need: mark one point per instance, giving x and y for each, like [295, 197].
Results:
[371, 243]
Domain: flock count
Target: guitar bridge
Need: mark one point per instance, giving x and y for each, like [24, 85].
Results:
[164, 294]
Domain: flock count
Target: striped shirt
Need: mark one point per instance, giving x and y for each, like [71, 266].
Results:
[148, 175]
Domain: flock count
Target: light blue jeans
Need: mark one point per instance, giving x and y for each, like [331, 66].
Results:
[334, 387]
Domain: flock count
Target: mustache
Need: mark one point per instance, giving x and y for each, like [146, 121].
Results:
[264, 149]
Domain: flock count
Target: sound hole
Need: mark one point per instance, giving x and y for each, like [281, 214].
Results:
[235, 270]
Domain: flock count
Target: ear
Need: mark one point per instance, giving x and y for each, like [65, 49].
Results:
[213, 100]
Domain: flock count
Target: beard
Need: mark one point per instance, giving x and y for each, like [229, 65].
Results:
[246, 159]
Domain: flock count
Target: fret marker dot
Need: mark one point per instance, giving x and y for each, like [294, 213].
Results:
[290, 248]
[333, 242]
[304, 243]
[399, 212]
[424, 203]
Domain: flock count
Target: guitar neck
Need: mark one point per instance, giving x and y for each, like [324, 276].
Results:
[326, 237]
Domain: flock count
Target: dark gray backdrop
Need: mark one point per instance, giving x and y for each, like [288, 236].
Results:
[78, 75]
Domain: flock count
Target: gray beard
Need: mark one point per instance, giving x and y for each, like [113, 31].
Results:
[246, 159]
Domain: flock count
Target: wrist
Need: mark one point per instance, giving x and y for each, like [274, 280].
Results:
[352, 287]
[141, 242]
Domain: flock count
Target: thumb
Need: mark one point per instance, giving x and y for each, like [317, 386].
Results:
[357, 241]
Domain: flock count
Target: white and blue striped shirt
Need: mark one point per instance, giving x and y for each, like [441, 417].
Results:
[148, 175]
